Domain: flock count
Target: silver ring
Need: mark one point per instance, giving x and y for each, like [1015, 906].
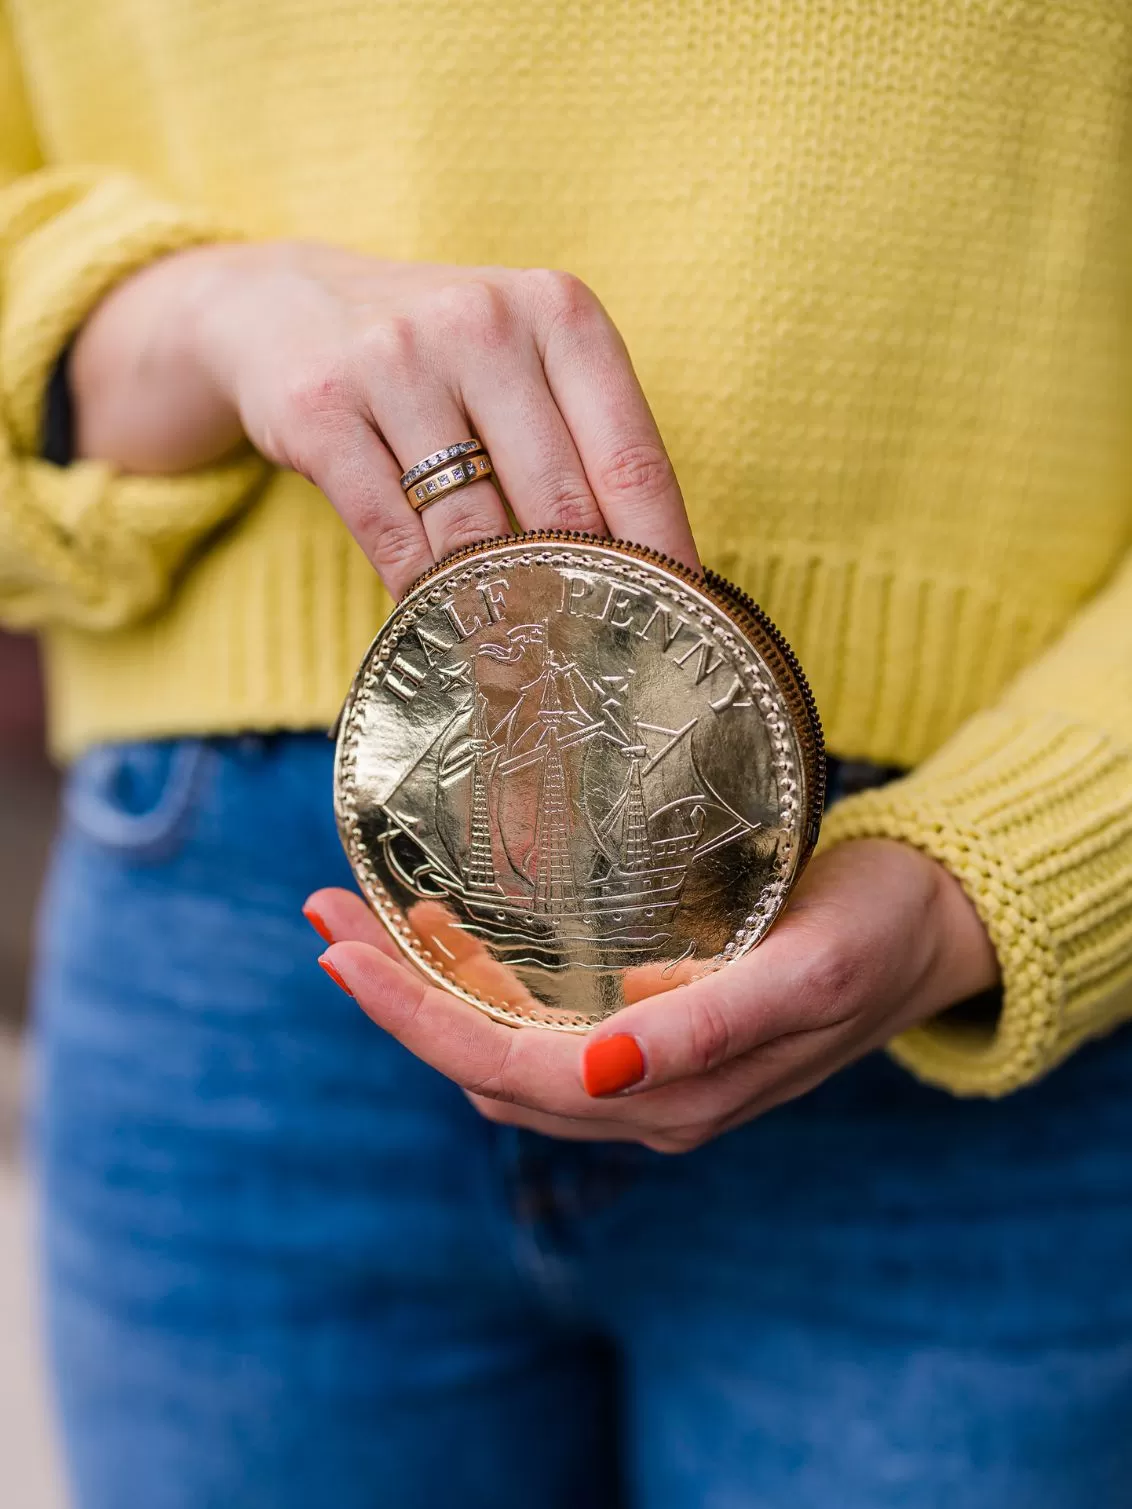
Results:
[438, 458]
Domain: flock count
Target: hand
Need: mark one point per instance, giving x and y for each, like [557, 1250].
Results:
[349, 370]
[877, 938]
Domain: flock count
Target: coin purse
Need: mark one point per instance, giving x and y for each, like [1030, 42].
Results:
[572, 774]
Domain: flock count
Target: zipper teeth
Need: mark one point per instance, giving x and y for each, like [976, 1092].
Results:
[723, 593]
[466, 550]
[748, 605]
[567, 537]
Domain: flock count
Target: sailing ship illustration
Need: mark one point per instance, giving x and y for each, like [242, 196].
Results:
[560, 828]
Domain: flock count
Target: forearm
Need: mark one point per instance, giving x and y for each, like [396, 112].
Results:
[1030, 807]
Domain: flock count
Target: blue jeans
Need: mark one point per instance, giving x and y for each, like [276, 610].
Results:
[289, 1266]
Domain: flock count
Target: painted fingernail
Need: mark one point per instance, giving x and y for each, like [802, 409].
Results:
[612, 1064]
[325, 964]
[317, 923]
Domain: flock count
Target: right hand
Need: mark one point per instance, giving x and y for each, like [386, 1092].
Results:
[349, 370]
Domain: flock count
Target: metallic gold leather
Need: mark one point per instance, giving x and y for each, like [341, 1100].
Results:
[571, 774]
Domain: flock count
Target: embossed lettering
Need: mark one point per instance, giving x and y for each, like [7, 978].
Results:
[493, 598]
[668, 629]
[574, 589]
[617, 610]
[464, 632]
[404, 679]
[430, 641]
[731, 698]
[709, 660]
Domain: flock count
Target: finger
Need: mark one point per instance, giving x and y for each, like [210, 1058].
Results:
[535, 458]
[687, 1113]
[796, 1068]
[531, 1074]
[793, 979]
[340, 916]
[526, 1065]
[593, 383]
[465, 959]
[347, 461]
[337, 915]
[418, 414]
[707, 1107]
[529, 1078]
[566, 1128]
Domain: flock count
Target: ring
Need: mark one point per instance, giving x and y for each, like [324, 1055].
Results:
[449, 480]
[438, 458]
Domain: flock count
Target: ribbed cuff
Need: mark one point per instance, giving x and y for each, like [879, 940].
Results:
[1033, 816]
[67, 238]
[82, 544]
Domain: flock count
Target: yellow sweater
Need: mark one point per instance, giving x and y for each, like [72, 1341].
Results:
[872, 262]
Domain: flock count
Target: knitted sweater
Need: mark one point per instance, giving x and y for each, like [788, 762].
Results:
[872, 263]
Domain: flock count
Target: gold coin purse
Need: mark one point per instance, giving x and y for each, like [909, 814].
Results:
[572, 774]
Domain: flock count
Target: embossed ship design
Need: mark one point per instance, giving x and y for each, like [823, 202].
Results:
[563, 830]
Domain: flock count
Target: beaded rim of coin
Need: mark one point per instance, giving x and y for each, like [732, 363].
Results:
[751, 639]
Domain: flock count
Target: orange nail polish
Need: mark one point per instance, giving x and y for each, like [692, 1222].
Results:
[612, 1064]
[325, 963]
[317, 923]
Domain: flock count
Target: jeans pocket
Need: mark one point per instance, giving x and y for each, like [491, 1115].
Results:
[139, 799]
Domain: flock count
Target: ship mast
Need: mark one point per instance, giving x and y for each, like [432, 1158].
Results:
[636, 850]
[556, 890]
[481, 860]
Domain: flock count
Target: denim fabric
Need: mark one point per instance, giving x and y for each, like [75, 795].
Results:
[288, 1266]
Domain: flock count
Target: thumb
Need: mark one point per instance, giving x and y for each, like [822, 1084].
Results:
[693, 1028]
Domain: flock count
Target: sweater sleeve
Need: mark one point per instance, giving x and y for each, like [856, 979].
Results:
[82, 544]
[1029, 805]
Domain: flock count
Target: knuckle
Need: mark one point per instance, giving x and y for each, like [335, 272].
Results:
[832, 977]
[496, 1085]
[635, 470]
[464, 523]
[563, 296]
[392, 346]
[397, 551]
[477, 310]
[320, 393]
[413, 1002]
[571, 507]
[710, 1036]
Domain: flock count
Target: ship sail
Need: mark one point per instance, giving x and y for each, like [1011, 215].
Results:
[546, 861]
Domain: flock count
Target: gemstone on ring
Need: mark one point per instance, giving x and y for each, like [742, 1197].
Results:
[448, 479]
[438, 458]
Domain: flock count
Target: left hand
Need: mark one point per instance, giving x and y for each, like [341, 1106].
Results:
[877, 938]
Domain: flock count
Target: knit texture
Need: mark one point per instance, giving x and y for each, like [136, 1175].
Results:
[83, 545]
[872, 264]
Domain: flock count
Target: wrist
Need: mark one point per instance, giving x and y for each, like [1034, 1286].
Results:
[144, 396]
[966, 964]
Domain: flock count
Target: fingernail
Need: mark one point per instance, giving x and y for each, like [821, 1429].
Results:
[325, 963]
[612, 1064]
[317, 923]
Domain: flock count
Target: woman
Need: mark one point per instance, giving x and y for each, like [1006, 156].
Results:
[872, 266]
